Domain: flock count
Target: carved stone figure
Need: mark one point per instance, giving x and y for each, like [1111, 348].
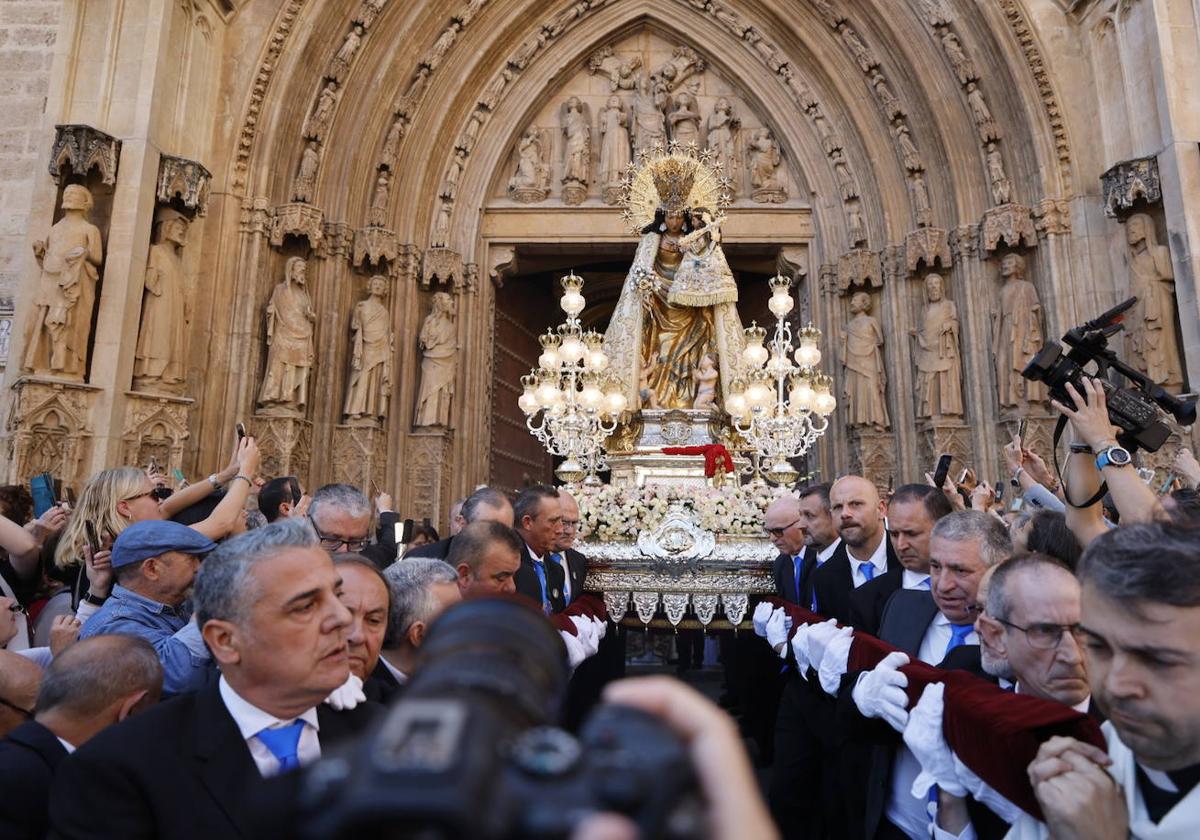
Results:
[370, 11]
[862, 359]
[936, 13]
[412, 95]
[828, 12]
[371, 359]
[438, 342]
[531, 181]
[887, 100]
[317, 125]
[345, 54]
[160, 360]
[920, 199]
[908, 149]
[622, 75]
[862, 54]
[442, 45]
[1153, 343]
[988, 131]
[68, 262]
[391, 143]
[528, 49]
[939, 364]
[764, 168]
[856, 224]
[577, 152]
[614, 148]
[305, 184]
[1001, 187]
[845, 179]
[723, 126]
[705, 376]
[491, 93]
[290, 347]
[684, 118]
[441, 227]
[454, 173]
[830, 141]
[962, 65]
[1016, 334]
[377, 215]
[649, 123]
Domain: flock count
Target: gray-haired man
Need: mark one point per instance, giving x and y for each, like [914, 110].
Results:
[421, 588]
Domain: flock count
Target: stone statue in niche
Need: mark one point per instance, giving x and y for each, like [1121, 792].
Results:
[841, 169]
[305, 184]
[69, 265]
[391, 143]
[160, 360]
[373, 345]
[317, 125]
[491, 93]
[438, 342]
[684, 118]
[531, 182]
[1001, 187]
[377, 215]
[856, 224]
[345, 54]
[649, 123]
[1016, 334]
[862, 54]
[887, 100]
[764, 168]
[614, 148]
[454, 173]
[862, 359]
[908, 149]
[441, 227]
[412, 96]
[988, 131]
[920, 199]
[939, 364]
[577, 152]
[1153, 343]
[962, 65]
[290, 346]
[723, 127]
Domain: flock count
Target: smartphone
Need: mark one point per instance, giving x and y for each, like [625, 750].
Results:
[963, 477]
[93, 539]
[998, 489]
[1021, 429]
[1166, 485]
[70, 494]
[943, 468]
[178, 473]
[404, 532]
[41, 487]
[240, 428]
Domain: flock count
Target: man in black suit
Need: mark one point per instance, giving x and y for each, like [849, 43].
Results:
[486, 504]
[926, 626]
[538, 514]
[858, 512]
[573, 563]
[911, 514]
[421, 589]
[365, 592]
[194, 767]
[90, 686]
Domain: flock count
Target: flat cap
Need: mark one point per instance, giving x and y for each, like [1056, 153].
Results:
[155, 537]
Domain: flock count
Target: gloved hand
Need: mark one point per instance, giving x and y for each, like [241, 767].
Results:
[601, 628]
[819, 635]
[833, 663]
[586, 634]
[575, 650]
[800, 649]
[879, 693]
[762, 613]
[923, 735]
[348, 695]
[778, 626]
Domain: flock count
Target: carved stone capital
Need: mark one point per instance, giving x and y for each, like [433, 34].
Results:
[155, 425]
[360, 456]
[184, 179]
[828, 279]
[964, 242]
[407, 265]
[873, 456]
[427, 472]
[502, 261]
[299, 220]
[893, 260]
[49, 428]
[443, 266]
[1129, 181]
[374, 245]
[285, 444]
[84, 147]
[256, 215]
[338, 239]
[1052, 217]
[859, 269]
[1011, 224]
[928, 245]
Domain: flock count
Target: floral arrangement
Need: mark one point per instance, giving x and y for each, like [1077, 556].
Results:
[611, 513]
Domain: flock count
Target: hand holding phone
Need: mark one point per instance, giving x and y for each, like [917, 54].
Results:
[93, 539]
[943, 469]
[1021, 426]
[240, 428]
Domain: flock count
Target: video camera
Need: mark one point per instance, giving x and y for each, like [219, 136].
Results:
[1135, 411]
[469, 752]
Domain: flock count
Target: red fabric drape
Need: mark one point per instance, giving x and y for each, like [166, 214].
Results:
[714, 454]
[588, 605]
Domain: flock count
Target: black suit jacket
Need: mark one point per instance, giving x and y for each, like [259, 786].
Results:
[178, 770]
[527, 583]
[439, 550]
[28, 758]
[867, 602]
[785, 577]
[381, 686]
[577, 566]
[834, 581]
[382, 552]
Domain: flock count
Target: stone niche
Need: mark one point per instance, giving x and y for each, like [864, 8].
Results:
[615, 69]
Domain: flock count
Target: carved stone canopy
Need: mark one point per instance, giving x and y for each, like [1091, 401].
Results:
[1129, 181]
[928, 245]
[184, 179]
[443, 266]
[1011, 224]
[374, 245]
[859, 268]
[297, 219]
[84, 147]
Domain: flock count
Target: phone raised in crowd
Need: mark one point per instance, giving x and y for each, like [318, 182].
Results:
[41, 487]
[1166, 485]
[404, 532]
[93, 539]
[943, 469]
[998, 489]
[179, 477]
[1021, 426]
[70, 496]
[240, 428]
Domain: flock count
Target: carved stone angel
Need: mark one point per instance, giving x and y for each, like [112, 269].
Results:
[764, 168]
[908, 149]
[723, 127]
[577, 151]
[531, 181]
[841, 169]
[862, 54]
[887, 100]
[962, 65]
[614, 148]
[684, 118]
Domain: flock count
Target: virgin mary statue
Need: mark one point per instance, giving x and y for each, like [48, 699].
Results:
[679, 300]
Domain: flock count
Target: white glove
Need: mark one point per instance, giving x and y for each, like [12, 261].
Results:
[833, 663]
[601, 628]
[348, 695]
[989, 796]
[923, 735]
[819, 635]
[879, 693]
[778, 626]
[575, 651]
[587, 634]
[800, 649]
[762, 613]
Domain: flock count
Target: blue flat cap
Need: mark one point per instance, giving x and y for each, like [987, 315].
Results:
[154, 537]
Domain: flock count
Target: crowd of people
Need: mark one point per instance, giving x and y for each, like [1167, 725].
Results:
[171, 655]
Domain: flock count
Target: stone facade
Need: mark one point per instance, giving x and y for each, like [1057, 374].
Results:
[867, 143]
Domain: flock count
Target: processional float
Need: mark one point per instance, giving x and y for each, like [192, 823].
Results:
[694, 417]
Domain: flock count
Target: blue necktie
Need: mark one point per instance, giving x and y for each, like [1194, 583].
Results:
[283, 742]
[540, 568]
[797, 569]
[958, 636]
[868, 570]
[558, 558]
[924, 585]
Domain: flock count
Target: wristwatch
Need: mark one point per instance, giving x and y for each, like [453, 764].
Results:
[94, 600]
[1113, 456]
[1015, 481]
[214, 481]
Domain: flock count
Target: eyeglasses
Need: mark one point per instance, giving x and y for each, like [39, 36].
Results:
[139, 495]
[1045, 636]
[570, 524]
[25, 713]
[332, 542]
[778, 532]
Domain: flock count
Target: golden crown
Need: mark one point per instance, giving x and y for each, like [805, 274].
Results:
[672, 179]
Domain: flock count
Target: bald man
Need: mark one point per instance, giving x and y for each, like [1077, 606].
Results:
[573, 563]
[19, 681]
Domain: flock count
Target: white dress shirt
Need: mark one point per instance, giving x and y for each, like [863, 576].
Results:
[251, 720]
[878, 560]
[915, 580]
[828, 551]
[541, 561]
[400, 676]
[562, 561]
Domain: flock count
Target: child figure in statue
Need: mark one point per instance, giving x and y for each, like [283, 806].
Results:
[706, 376]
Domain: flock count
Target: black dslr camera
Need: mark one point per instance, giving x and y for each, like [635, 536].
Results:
[468, 751]
[1133, 410]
